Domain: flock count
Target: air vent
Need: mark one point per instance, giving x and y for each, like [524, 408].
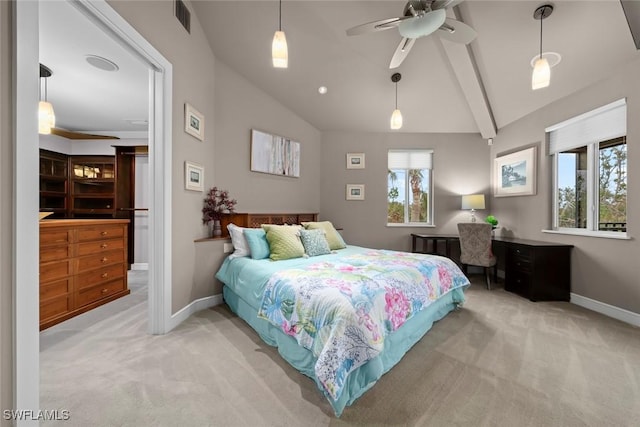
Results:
[183, 15]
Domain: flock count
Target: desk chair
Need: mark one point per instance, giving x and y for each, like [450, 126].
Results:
[475, 248]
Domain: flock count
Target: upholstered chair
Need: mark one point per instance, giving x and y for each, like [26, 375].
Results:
[475, 248]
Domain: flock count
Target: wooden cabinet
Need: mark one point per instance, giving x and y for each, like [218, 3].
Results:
[254, 220]
[540, 271]
[82, 266]
[93, 186]
[53, 183]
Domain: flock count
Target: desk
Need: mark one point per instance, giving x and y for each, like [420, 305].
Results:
[539, 271]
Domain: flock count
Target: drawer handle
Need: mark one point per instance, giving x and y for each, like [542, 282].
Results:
[104, 275]
[105, 290]
[103, 233]
[104, 245]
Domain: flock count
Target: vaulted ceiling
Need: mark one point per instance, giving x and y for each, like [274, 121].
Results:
[445, 87]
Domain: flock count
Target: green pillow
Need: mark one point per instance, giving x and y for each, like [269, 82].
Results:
[257, 240]
[331, 234]
[284, 242]
[314, 242]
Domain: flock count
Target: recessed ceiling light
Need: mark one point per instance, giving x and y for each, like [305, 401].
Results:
[553, 59]
[102, 63]
[322, 90]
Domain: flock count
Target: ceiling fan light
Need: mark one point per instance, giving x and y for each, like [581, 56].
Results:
[46, 117]
[541, 76]
[421, 26]
[279, 50]
[396, 119]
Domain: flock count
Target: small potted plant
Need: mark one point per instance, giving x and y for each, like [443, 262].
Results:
[492, 220]
[216, 204]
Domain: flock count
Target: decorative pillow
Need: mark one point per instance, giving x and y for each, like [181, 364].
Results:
[257, 240]
[331, 234]
[238, 241]
[314, 242]
[284, 242]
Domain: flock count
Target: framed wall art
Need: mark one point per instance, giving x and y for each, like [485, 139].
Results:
[515, 173]
[355, 160]
[193, 122]
[355, 191]
[274, 154]
[193, 176]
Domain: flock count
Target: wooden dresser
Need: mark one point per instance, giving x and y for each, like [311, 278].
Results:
[83, 264]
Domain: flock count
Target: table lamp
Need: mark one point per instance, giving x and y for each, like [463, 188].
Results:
[473, 202]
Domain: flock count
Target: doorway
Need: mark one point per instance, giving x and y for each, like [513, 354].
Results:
[26, 156]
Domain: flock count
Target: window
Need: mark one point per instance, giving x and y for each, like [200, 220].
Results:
[410, 187]
[590, 171]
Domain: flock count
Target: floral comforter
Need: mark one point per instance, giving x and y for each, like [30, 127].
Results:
[342, 310]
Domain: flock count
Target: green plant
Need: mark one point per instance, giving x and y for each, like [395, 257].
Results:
[491, 220]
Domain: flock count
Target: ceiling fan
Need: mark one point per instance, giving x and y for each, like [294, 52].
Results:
[420, 18]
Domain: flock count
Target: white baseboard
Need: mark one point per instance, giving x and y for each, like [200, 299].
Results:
[194, 307]
[140, 266]
[606, 309]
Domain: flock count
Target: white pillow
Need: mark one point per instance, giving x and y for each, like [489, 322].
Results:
[238, 241]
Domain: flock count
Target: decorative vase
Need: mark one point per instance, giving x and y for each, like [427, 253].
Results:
[217, 229]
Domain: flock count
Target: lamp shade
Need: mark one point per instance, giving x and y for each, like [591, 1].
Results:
[396, 119]
[473, 201]
[541, 75]
[279, 50]
[46, 117]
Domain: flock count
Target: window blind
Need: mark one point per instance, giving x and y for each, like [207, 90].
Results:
[410, 159]
[601, 124]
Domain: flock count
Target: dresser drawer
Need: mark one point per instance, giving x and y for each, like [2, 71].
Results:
[53, 253]
[55, 289]
[95, 293]
[91, 262]
[101, 275]
[54, 307]
[100, 232]
[99, 246]
[54, 237]
[55, 270]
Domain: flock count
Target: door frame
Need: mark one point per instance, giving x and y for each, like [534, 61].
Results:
[25, 238]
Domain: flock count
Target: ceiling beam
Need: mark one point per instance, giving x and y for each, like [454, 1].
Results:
[464, 66]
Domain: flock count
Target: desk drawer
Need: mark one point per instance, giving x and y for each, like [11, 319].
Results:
[518, 282]
[91, 262]
[87, 296]
[100, 275]
[520, 252]
[100, 232]
[99, 246]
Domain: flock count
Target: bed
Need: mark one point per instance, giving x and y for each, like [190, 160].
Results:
[346, 317]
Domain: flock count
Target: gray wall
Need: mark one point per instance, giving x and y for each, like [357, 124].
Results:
[460, 166]
[6, 185]
[605, 270]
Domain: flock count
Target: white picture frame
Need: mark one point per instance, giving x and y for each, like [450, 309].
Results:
[355, 192]
[355, 160]
[193, 122]
[275, 155]
[193, 176]
[515, 173]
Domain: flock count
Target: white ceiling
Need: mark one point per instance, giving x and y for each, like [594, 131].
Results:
[592, 36]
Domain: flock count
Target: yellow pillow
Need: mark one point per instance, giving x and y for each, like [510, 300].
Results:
[284, 242]
[333, 237]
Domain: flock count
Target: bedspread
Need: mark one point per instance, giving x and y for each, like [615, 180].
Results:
[342, 310]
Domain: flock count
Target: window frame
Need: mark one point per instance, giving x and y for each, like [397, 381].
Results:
[407, 210]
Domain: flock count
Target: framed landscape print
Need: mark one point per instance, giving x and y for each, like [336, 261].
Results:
[355, 160]
[274, 154]
[515, 173]
[355, 191]
[193, 176]
[193, 122]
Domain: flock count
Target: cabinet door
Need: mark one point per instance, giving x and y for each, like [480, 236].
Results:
[93, 186]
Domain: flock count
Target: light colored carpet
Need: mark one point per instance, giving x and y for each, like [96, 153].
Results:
[500, 361]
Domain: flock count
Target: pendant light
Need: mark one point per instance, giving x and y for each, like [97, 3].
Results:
[46, 117]
[541, 75]
[396, 116]
[279, 51]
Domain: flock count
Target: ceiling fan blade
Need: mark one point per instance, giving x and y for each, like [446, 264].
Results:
[456, 31]
[381, 25]
[401, 52]
[443, 4]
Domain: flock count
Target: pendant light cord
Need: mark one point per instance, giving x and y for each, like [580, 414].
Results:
[396, 95]
[280, 17]
[541, 19]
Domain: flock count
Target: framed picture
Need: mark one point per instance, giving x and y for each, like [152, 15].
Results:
[274, 154]
[193, 176]
[193, 122]
[355, 191]
[355, 160]
[515, 173]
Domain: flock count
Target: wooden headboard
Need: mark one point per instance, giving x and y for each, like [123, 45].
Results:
[254, 220]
